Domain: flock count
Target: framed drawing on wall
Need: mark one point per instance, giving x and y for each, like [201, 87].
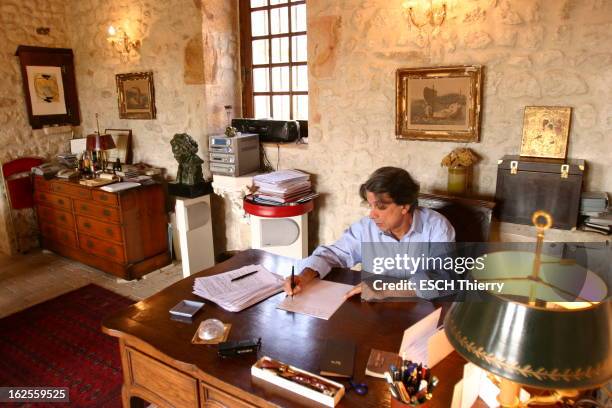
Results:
[546, 131]
[441, 104]
[123, 145]
[49, 86]
[136, 95]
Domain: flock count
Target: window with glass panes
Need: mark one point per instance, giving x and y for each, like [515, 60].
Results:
[273, 54]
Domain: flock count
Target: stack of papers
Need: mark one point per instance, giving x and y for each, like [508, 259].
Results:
[283, 186]
[238, 294]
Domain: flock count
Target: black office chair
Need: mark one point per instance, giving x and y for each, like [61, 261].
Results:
[471, 218]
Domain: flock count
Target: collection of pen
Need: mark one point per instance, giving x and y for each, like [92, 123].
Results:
[411, 383]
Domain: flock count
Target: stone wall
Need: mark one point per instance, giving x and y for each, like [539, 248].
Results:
[535, 52]
[190, 47]
[18, 23]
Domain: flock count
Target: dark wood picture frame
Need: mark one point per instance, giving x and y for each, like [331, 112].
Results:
[439, 104]
[136, 95]
[48, 77]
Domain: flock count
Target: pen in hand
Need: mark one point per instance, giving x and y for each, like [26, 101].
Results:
[292, 280]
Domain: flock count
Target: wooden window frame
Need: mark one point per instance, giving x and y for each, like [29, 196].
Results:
[246, 58]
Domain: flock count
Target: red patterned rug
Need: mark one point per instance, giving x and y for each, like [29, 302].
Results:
[59, 343]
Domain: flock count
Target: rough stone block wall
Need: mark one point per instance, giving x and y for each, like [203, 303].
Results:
[18, 23]
[535, 52]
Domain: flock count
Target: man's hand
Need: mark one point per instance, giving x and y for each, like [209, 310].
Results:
[301, 280]
[355, 291]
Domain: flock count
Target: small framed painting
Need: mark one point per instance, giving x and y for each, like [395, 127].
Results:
[440, 103]
[136, 95]
[546, 131]
[49, 86]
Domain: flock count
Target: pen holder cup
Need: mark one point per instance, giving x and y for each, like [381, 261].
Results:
[395, 403]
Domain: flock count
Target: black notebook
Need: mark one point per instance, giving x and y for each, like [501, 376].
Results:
[338, 358]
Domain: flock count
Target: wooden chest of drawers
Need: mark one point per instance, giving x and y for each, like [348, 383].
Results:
[122, 233]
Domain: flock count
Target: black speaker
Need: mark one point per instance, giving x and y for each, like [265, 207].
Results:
[273, 131]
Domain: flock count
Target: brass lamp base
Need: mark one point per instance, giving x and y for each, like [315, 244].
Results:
[509, 396]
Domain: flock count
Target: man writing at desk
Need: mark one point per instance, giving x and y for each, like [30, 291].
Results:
[394, 216]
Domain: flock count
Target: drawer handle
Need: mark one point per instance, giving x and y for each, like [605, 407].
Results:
[87, 225]
[110, 251]
[90, 244]
[109, 232]
[61, 201]
[42, 196]
[82, 193]
[106, 213]
[62, 218]
[65, 236]
[103, 198]
[84, 207]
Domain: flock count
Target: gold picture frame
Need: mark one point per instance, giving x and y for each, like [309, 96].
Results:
[440, 104]
[546, 131]
[136, 95]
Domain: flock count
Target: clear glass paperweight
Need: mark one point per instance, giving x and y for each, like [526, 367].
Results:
[210, 329]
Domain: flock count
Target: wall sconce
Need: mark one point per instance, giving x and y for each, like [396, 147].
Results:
[121, 42]
[420, 14]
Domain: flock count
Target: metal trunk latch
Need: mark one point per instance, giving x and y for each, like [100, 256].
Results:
[564, 170]
[513, 167]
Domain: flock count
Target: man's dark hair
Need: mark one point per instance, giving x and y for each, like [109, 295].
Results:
[395, 182]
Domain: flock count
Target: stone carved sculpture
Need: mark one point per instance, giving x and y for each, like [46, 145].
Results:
[185, 151]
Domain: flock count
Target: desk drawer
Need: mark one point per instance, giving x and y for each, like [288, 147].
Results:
[105, 197]
[40, 184]
[106, 249]
[213, 398]
[55, 216]
[178, 389]
[96, 211]
[52, 200]
[58, 235]
[72, 190]
[99, 229]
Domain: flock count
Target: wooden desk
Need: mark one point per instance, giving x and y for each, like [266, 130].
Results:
[161, 366]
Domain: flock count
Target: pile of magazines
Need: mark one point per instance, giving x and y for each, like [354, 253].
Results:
[283, 187]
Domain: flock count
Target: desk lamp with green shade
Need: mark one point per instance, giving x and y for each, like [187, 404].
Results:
[526, 341]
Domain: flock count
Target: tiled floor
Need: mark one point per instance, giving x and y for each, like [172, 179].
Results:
[26, 280]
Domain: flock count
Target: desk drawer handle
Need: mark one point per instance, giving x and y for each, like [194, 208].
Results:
[60, 201]
[86, 224]
[109, 232]
[103, 198]
[84, 207]
[90, 244]
[111, 251]
[82, 193]
[62, 218]
[107, 213]
[42, 196]
[65, 236]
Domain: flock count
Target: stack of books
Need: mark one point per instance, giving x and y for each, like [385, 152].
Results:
[128, 171]
[142, 180]
[601, 224]
[593, 203]
[283, 187]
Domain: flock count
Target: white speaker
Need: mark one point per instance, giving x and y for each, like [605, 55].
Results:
[286, 236]
[193, 221]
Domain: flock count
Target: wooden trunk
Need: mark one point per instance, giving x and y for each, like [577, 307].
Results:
[525, 185]
[122, 233]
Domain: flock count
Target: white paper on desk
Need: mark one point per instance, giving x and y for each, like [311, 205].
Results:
[320, 299]
[424, 342]
[238, 294]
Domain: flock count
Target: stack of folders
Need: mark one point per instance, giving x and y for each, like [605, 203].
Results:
[283, 187]
[240, 288]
